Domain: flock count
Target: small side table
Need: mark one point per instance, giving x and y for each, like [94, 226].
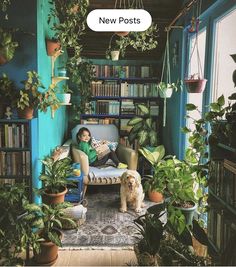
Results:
[75, 192]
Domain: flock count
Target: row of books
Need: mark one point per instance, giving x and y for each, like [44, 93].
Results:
[220, 228]
[128, 71]
[104, 107]
[139, 89]
[14, 135]
[98, 88]
[99, 121]
[223, 180]
[15, 163]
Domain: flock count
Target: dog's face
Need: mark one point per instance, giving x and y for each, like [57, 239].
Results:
[131, 180]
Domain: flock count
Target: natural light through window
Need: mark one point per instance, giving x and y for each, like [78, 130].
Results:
[224, 65]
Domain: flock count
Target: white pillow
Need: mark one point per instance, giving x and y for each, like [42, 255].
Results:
[95, 143]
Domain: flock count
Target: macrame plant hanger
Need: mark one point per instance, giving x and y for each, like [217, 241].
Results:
[166, 63]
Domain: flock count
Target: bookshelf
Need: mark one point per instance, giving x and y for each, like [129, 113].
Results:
[222, 203]
[115, 93]
[16, 151]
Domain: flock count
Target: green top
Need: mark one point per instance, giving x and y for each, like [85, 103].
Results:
[88, 150]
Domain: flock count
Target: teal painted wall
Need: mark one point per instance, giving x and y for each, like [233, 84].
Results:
[51, 131]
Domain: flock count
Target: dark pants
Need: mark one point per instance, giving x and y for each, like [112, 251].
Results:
[102, 161]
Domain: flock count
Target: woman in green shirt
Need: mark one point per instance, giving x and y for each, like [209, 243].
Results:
[84, 141]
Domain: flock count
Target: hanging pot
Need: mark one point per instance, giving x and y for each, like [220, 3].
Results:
[115, 55]
[195, 85]
[122, 33]
[166, 93]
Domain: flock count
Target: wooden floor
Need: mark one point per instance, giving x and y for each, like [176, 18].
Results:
[95, 258]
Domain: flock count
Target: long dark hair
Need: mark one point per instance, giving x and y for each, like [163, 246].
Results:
[80, 132]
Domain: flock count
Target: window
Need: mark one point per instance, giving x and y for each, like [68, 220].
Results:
[224, 65]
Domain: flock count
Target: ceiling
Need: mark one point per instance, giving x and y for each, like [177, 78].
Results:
[162, 12]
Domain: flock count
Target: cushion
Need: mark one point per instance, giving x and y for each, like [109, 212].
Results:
[61, 152]
[97, 142]
[102, 151]
[106, 175]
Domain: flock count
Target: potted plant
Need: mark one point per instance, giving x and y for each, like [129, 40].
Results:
[65, 96]
[154, 184]
[143, 128]
[53, 46]
[116, 48]
[7, 46]
[50, 221]
[54, 178]
[150, 230]
[166, 89]
[7, 93]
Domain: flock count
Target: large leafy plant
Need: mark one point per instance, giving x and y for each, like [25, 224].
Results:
[7, 45]
[143, 128]
[54, 176]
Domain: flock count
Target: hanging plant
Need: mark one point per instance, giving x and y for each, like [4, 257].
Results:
[4, 6]
[166, 88]
[195, 83]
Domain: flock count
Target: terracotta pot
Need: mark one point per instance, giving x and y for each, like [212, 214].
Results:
[26, 113]
[50, 198]
[52, 47]
[3, 60]
[155, 196]
[48, 253]
[195, 85]
[122, 33]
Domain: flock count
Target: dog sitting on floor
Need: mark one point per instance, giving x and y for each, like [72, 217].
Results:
[131, 191]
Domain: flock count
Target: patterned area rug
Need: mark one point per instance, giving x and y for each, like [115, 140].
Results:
[105, 226]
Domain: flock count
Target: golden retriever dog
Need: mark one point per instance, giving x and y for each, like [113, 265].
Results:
[131, 191]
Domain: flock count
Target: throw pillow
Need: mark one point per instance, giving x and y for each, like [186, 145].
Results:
[102, 151]
[61, 152]
[96, 143]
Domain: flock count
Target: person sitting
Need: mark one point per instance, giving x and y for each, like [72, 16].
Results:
[84, 144]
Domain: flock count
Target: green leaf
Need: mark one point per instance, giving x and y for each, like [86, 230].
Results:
[53, 236]
[143, 109]
[190, 107]
[185, 130]
[134, 121]
[142, 137]
[221, 100]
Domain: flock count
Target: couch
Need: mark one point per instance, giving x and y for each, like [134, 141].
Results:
[106, 174]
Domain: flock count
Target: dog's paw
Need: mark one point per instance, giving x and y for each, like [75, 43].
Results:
[143, 205]
[123, 210]
[138, 210]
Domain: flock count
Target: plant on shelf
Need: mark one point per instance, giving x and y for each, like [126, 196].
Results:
[117, 47]
[143, 128]
[54, 178]
[7, 46]
[64, 95]
[154, 184]
[7, 93]
[45, 247]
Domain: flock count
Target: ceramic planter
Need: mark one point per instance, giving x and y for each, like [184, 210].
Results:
[64, 98]
[195, 85]
[155, 196]
[115, 55]
[53, 198]
[166, 93]
[188, 212]
[52, 47]
[26, 113]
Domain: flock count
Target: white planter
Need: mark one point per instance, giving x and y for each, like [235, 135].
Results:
[166, 93]
[62, 72]
[64, 98]
[115, 55]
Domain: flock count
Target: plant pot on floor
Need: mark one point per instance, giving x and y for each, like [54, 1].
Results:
[115, 55]
[195, 85]
[144, 258]
[155, 196]
[53, 198]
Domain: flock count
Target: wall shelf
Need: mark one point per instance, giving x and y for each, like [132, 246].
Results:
[55, 108]
[57, 79]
